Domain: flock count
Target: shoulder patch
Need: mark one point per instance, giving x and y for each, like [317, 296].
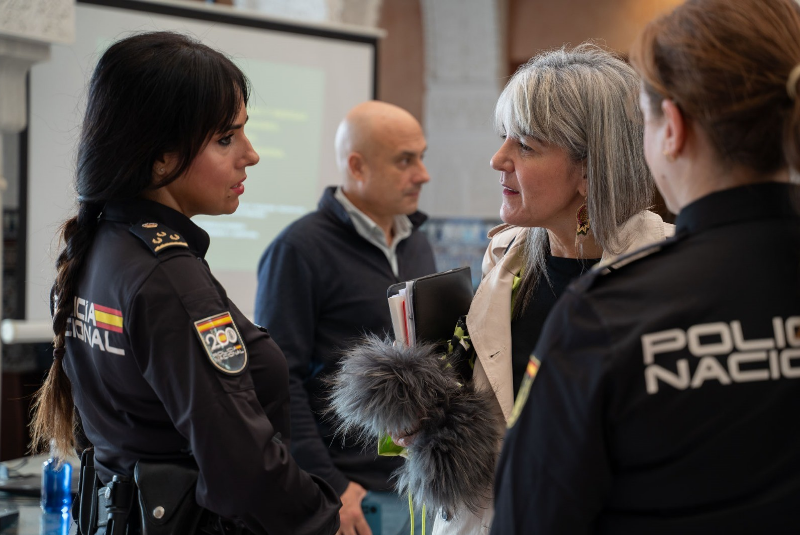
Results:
[585, 282]
[223, 343]
[524, 389]
[158, 237]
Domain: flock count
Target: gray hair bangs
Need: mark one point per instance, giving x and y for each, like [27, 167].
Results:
[533, 105]
[583, 100]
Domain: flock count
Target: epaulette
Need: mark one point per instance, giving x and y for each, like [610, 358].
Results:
[585, 282]
[158, 237]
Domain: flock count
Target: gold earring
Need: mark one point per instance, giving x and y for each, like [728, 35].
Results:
[670, 156]
[584, 225]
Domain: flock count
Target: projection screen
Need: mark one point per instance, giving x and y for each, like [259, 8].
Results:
[304, 78]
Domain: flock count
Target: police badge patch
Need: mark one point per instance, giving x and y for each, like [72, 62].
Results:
[223, 343]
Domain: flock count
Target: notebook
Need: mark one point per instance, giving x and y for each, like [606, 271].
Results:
[427, 309]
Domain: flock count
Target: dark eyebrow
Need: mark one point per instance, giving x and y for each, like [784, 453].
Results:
[238, 126]
[410, 154]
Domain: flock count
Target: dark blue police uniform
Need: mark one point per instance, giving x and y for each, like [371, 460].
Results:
[163, 365]
[667, 396]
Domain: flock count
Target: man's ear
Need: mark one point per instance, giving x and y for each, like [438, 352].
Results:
[357, 166]
[674, 128]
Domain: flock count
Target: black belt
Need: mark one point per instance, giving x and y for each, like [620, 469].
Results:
[210, 523]
[116, 509]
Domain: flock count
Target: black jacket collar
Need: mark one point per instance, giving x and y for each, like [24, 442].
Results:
[137, 210]
[772, 200]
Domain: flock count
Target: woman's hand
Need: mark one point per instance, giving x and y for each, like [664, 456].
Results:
[404, 439]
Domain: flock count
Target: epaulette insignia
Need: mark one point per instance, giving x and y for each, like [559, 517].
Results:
[600, 270]
[157, 236]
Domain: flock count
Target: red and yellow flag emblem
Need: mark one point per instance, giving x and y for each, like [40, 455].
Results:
[215, 321]
[525, 388]
[533, 367]
[108, 318]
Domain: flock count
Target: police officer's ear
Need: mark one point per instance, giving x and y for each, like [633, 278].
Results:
[163, 167]
[674, 134]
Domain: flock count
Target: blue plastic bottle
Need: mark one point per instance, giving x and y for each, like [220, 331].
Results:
[54, 524]
[56, 483]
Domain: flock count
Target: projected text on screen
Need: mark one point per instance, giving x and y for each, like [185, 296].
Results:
[285, 128]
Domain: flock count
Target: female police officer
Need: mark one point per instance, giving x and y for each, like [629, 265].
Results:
[667, 396]
[160, 364]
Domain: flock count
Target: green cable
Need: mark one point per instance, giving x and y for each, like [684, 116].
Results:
[411, 512]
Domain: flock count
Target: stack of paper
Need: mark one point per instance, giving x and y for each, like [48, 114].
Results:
[428, 308]
[397, 307]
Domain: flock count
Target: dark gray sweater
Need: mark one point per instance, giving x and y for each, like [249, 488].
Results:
[320, 287]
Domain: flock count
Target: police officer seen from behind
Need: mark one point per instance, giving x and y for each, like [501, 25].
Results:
[669, 384]
[167, 376]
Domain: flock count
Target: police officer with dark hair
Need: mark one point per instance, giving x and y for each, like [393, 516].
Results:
[667, 382]
[180, 396]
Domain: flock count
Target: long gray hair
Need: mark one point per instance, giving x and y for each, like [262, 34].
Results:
[584, 101]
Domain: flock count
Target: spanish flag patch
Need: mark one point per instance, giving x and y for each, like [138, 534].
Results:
[108, 318]
[524, 389]
[223, 343]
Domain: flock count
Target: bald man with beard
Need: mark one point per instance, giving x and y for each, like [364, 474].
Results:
[322, 284]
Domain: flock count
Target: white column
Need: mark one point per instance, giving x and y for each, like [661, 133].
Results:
[27, 27]
[465, 61]
[46, 21]
[16, 57]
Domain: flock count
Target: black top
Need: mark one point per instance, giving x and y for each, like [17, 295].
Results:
[526, 328]
[321, 286]
[163, 364]
[668, 392]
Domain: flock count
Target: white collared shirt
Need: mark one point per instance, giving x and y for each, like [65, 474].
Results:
[370, 231]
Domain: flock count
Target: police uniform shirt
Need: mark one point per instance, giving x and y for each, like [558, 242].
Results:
[162, 364]
[667, 396]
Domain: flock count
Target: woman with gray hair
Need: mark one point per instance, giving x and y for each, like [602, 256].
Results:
[575, 192]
